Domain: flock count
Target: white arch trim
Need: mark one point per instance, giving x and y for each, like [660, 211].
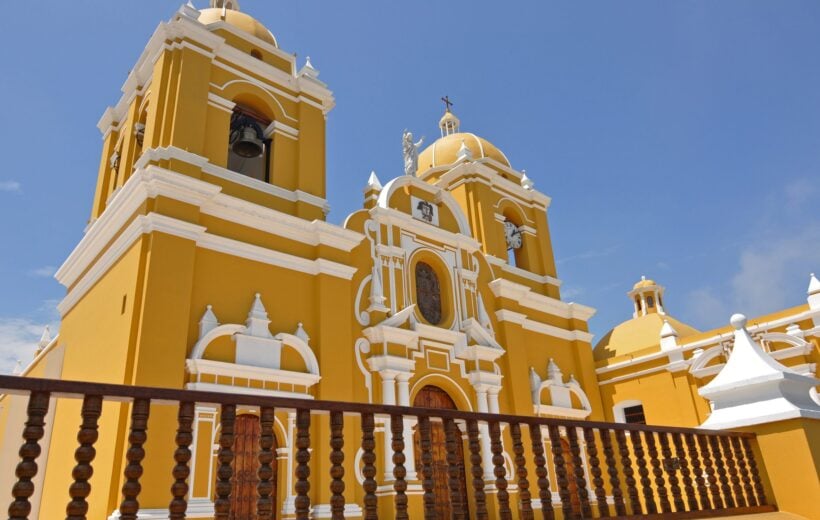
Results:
[260, 86]
[223, 330]
[445, 197]
[304, 350]
[618, 409]
[422, 381]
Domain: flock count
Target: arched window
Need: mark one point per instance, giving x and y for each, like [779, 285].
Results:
[428, 293]
[650, 301]
[248, 149]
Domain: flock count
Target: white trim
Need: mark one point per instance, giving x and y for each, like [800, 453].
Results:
[526, 297]
[144, 224]
[618, 409]
[227, 389]
[437, 194]
[523, 273]
[543, 328]
[269, 375]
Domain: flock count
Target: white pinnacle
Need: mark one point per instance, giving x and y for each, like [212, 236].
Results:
[373, 182]
[45, 339]
[668, 330]
[814, 285]
[526, 182]
[464, 152]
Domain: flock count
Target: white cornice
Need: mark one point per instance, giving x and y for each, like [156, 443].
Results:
[152, 181]
[152, 222]
[405, 221]
[543, 328]
[523, 273]
[525, 297]
[479, 171]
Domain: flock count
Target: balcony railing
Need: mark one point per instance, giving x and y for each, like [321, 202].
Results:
[634, 471]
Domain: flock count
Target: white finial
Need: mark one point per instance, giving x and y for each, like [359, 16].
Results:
[18, 368]
[309, 70]
[814, 285]
[554, 372]
[464, 152]
[738, 321]
[45, 339]
[526, 182]
[373, 182]
[301, 334]
[643, 278]
[814, 295]
[668, 330]
[257, 322]
[208, 322]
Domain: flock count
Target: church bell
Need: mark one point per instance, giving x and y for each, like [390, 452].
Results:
[247, 143]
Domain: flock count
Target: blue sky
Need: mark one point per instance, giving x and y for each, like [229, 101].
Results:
[680, 140]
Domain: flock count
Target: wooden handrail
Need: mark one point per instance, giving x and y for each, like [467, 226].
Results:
[644, 479]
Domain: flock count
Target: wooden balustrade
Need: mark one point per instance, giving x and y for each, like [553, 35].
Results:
[588, 471]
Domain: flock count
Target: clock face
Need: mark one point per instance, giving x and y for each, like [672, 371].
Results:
[512, 235]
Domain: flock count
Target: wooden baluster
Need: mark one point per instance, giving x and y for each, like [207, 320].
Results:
[731, 464]
[629, 478]
[137, 436]
[744, 472]
[504, 512]
[476, 470]
[711, 480]
[723, 477]
[643, 471]
[84, 455]
[267, 464]
[595, 471]
[672, 466]
[524, 497]
[369, 467]
[222, 503]
[452, 438]
[29, 451]
[426, 459]
[612, 471]
[302, 486]
[560, 471]
[685, 472]
[182, 456]
[399, 471]
[337, 471]
[657, 472]
[760, 492]
[540, 460]
[698, 472]
[578, 470]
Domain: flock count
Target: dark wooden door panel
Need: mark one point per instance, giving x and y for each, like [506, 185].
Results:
[245, 468]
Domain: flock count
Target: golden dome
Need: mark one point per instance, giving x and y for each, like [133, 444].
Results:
[238, 19]
[638, 334]
[445, 150]
[644, 282]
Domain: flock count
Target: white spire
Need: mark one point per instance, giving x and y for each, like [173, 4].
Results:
[309, 70]
[208, 322]
[753, 388]
[554, 373]
[45, 339]
[301, 334]
[257, 322]
[526, 182]
[464, 152]
[18, 368]
[814, 285]
[373, 182]
[668, 330]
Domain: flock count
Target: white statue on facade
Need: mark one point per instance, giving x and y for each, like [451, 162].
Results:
[411, 153]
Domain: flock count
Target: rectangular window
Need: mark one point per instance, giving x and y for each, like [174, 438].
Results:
[634, 415]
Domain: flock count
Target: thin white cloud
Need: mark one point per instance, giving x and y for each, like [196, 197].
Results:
[47, 271]
[589, 255]
[12, 186]
[18, 341]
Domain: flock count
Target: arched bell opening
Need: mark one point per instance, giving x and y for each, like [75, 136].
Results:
[249, 150]
[431, 396]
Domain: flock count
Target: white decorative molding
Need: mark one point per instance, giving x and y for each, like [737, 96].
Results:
[523, 273]
[437, 193]
[543, 328]
[526, 297]
[753, 388]
[560, 394]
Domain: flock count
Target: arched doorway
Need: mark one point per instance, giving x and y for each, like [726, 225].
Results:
[434, 397]
[245, 468]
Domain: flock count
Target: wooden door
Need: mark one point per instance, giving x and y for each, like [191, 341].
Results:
[245, 468]
[434, 397]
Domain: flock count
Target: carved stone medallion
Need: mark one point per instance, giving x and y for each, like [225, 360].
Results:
[428, 293]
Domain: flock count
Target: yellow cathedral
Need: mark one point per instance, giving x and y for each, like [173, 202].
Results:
[208, 265]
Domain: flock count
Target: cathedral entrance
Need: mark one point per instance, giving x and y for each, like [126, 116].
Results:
[245, 467]
[435, 397]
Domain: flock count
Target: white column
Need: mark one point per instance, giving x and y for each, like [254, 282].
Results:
[388, 397]
[484, 431]
[404, 388]
[493, 399]
[403, 381]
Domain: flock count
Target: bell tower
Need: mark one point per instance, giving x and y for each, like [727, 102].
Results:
[214, 94]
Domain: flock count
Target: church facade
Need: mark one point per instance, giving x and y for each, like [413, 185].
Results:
[208, 265]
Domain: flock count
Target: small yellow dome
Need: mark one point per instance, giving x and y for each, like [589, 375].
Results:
[645, 282]
[238, 19]
[445, 150]
[638, 336]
